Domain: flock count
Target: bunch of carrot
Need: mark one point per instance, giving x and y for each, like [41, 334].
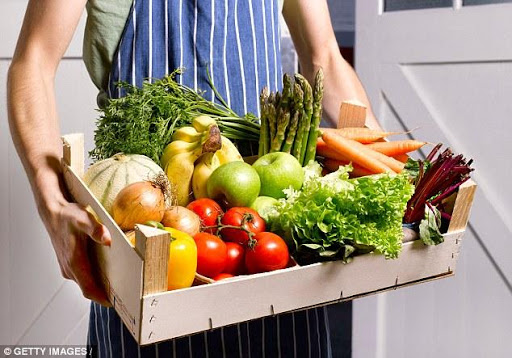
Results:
[364, 148]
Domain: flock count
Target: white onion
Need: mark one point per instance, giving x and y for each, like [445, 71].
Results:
[182, 219]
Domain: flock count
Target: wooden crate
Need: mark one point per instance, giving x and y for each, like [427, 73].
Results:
[135, 279]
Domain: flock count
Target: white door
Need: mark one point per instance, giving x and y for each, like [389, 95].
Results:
[37, 306]
[448, 71]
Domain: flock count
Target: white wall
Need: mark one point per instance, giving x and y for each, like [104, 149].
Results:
[36, 305]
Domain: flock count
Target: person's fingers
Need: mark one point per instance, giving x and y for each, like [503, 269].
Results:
[86, 222]
[81, 270]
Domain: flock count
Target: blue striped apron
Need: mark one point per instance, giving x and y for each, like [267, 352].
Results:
[238, 43]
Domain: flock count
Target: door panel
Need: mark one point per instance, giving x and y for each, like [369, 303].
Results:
[448, 72]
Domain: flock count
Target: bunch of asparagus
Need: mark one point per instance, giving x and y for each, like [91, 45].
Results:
[290, 119]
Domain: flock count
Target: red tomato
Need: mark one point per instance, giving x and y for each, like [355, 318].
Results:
[241, 217]
[267, 253]
[208, 211]
[222, 276]
[212, 254]
[235, 263]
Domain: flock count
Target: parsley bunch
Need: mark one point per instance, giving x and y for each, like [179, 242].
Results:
[143, 121]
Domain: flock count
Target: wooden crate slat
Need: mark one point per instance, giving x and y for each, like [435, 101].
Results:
[352, 114]
[462, 207]
[153, 244]
[73, 152]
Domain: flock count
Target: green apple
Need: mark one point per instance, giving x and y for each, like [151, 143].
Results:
[278, 171]
[263, 204]
[237, 183]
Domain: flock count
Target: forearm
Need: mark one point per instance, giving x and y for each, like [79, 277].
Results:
[311, 29]
[341, 84]
[35, 130]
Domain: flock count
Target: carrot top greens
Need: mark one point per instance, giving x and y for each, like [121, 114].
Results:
[143, 121]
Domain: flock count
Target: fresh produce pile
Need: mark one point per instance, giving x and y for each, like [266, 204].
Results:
[311, 195]
[434, 179]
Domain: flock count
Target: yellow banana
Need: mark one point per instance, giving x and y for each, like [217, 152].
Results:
[202, 123]
[188, 145]
[187, 134]
[205, 166]
[177, 147]
[228, 152]
[179, 170]
[208, 162]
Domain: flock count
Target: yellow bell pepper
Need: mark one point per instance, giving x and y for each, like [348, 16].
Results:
[182, 265]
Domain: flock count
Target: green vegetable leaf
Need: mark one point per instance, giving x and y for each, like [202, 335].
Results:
[416, 168]
[430, 226]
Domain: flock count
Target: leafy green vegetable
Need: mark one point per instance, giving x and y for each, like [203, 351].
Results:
[143, 121]
[430, 232]
[334, 217]
[416, 168]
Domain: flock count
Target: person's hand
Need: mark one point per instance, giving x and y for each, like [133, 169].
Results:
[70, 227]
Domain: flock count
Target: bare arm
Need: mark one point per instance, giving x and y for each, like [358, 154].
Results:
[47, 30]
[312, 33]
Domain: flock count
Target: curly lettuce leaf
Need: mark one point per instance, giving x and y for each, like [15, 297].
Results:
[334, 217]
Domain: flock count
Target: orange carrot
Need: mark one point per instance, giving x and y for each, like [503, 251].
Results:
[361, 134]
[325, 151]
[401, 157]
[358, 171]
[396, 147]
[355, 152]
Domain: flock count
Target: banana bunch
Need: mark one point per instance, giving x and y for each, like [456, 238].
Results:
[188, 144]
[208, 162]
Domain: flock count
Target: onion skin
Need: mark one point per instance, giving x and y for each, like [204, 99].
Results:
[182, 219]
[137, 203]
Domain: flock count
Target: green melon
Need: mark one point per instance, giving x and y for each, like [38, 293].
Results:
[108, 177]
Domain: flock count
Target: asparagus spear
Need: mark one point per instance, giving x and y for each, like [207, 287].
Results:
[264, 129]
[298, 102]
[301, 138]
[287, 93]
[318, 95]
[282, 123]
[271, 116]
[283, 113]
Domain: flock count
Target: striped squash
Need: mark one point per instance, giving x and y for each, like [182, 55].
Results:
[108, 177]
